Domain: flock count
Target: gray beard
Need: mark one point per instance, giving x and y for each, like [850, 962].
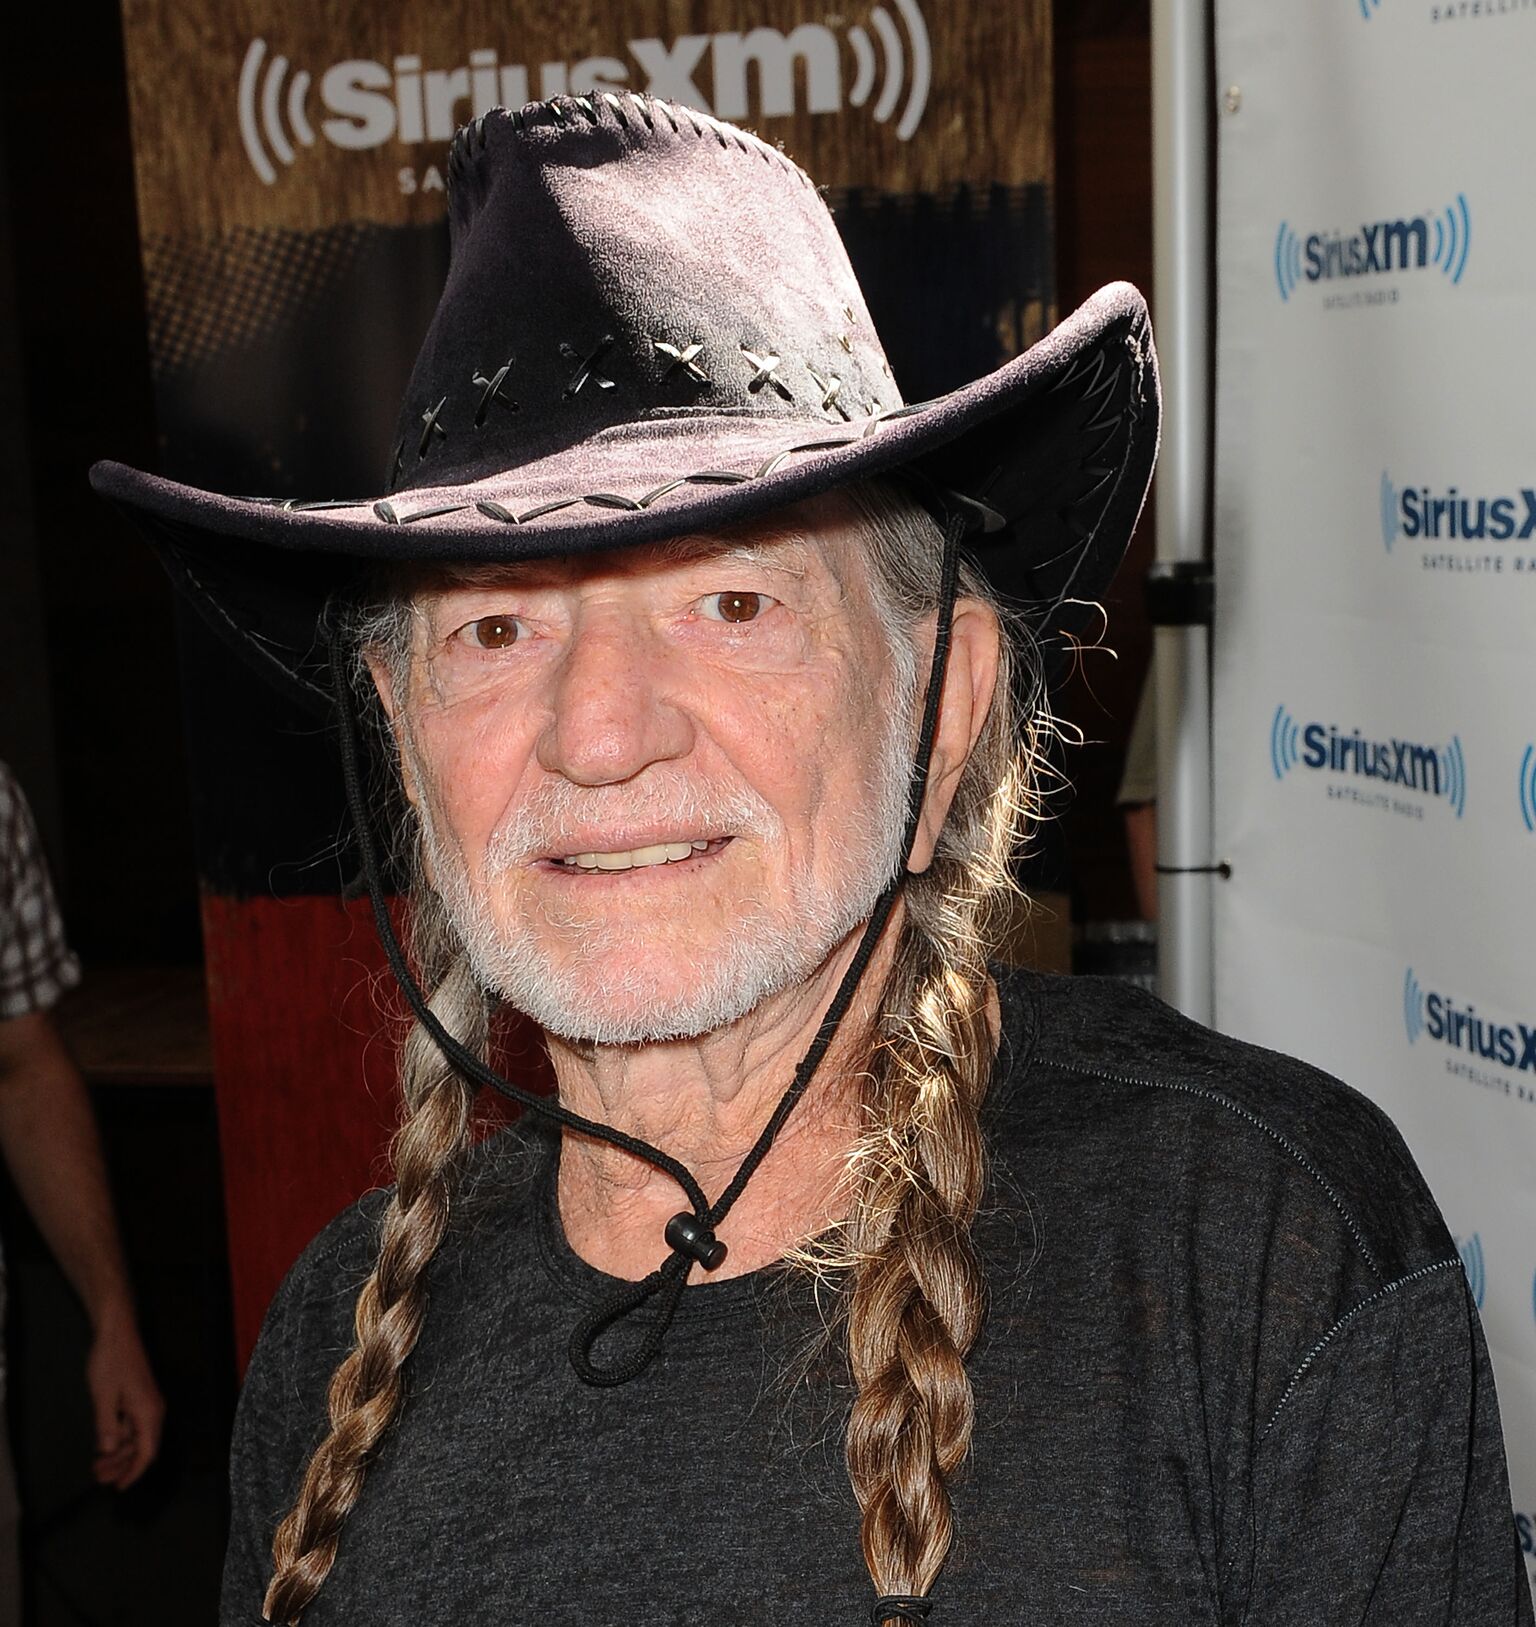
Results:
[763, 953]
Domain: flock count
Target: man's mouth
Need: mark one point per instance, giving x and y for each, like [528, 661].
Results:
[641, 858]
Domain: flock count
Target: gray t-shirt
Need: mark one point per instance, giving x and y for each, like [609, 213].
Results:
[1230, 1373]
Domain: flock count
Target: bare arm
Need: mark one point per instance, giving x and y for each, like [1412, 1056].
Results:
[49, 1139]
[1141, 844]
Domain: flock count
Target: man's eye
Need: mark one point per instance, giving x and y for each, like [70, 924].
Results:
[492, 632]
[734, 607]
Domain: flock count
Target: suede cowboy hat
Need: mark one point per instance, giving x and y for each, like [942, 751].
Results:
[650, 328]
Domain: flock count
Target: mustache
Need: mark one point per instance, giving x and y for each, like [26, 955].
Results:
[542, 822]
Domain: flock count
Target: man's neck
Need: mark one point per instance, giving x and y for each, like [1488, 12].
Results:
[705, 1101]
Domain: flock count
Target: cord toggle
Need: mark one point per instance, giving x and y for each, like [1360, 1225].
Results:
[687, 1234]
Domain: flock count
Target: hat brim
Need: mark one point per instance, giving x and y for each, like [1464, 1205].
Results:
[1051, 453]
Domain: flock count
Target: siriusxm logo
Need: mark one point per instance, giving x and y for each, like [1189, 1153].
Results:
[1431, 771]
[1440, 239]
[1471, 1251]
[1421, 512]
[369, 103]
[1456, 1024]
[1528, 788]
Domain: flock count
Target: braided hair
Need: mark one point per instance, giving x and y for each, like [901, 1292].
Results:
[915, 1293]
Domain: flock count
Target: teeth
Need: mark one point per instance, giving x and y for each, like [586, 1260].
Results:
[636, 858]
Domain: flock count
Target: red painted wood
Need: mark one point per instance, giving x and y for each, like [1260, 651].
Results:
[305, 1021]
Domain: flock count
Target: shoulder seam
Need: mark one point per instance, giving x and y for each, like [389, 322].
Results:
[1243, 1113]
[1338, 1328]
[333, 1247]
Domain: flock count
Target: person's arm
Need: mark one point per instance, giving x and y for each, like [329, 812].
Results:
[1141, 848]
[1380, 1492]
[49, 1140]
[1137, 800]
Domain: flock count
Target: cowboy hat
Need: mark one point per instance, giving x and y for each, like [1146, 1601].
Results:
[650, 328]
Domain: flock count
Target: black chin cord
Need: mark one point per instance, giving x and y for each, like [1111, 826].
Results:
[690, 1236]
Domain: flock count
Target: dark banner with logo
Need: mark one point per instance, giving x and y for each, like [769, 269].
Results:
[290, 164]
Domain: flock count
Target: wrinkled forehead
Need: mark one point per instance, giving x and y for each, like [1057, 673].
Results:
[819, 545]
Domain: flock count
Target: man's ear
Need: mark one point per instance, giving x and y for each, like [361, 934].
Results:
[384, 683]
[970, 677]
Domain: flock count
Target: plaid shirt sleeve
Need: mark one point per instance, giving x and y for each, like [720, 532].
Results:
[36, 965]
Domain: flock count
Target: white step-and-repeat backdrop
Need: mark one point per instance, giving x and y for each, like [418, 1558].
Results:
[1375, 652]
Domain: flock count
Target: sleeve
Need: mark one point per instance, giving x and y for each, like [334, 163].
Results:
[1381, 1496]
[36, 966]
[281, 1416]
[262, 1454]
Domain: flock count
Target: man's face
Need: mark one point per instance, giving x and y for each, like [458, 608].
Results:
[659, 786]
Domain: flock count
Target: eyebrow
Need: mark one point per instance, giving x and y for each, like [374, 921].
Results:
[783, 555]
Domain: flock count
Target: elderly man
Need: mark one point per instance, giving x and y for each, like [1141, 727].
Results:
[992, 1296]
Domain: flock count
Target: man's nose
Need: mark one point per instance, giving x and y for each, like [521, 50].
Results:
[612, 713]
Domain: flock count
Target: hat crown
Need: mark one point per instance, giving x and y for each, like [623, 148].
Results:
[617, 260]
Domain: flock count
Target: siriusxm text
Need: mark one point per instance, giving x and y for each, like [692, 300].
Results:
[1398, 762]
[1511, 1045]
[1423, 512]
[372, 104]
[1385, 245]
